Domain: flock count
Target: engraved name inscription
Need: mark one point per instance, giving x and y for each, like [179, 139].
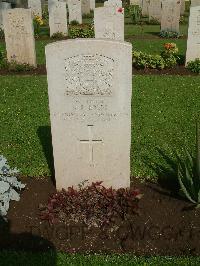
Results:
[89, 75]
[17, 25]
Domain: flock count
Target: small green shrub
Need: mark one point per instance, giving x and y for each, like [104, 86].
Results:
[135, 13]
[194, 66]
[169, 34]
[58, 35]
[170, 50]
[167, 59]
[183, 20]
[170, 61]
[189, 174]
[45, 13]
[153, 21]
[14, 66]
[142, 60]
[37, 23]
[93, 205]
[3, 60]
[81, 32]
[74, 23]
[2, 36]
[89, 15]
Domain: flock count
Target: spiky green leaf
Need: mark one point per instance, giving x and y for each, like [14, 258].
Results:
[198, 150]
[183, 188]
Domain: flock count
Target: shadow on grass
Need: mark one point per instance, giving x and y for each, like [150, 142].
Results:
[44, 134]
[19, 249]
[167, 174]
[154, 33]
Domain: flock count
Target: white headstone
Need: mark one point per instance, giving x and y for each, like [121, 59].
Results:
[145, 7]
[89, 85]
[170, 15]
[36, 7]
[74, 7]
[51, 3]
[109, 23]
[182, 7]
[113, 3]
[195, 3]
[155, 10]
[85, 6]
[92, 4]
[58, 18]
[193, 42]
[136, 2]
[3, 6]
[19, 36]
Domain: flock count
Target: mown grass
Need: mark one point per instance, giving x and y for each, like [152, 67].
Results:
[60, 259]
[164, 113]
[149, 46]
[149, 30]
[164, 110]
[155, 46]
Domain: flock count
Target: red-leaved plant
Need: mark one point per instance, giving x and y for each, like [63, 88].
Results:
[93, 205]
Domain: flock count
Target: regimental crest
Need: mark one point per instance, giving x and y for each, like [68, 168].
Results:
[89, 75]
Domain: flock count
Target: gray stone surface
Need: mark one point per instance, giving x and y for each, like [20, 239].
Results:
[3, 6]
[51, 3]
[182, 7]
[193, 42]
[85, 6]
[74, 7]
[92, 4]
[113, 3]
[145, 7]
[89, 86]
[58, 18]
[36, 7]
[155, 10]
[170, 15]
[109, 23]
[19, 36]
[136, 2]
[195, 3]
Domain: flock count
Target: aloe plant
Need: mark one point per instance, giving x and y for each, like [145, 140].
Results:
[9, 186]
[189, 173]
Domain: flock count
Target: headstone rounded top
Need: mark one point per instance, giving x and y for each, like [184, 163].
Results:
[88, 40]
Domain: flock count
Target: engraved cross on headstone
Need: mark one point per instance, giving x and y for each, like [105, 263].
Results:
[91, 141]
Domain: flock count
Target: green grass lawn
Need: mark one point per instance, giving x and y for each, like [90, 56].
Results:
[164, 110]
[149, 46]
[148, 30]
[59, 259]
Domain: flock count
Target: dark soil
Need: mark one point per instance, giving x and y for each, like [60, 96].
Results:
[41, 70]
[153, 36]
[178, 70]
[165, 225]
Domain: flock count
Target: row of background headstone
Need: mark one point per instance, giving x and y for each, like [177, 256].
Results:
[108, 20]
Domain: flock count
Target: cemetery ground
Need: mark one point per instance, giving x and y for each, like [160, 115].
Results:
[165, 107]
[164, 110]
